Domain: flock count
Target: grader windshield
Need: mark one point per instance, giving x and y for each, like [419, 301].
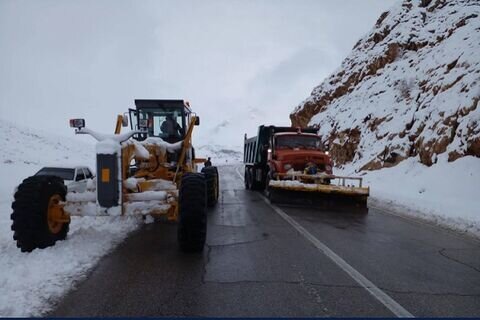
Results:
[166, 119]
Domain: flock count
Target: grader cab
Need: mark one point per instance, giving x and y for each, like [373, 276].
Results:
[148, 171]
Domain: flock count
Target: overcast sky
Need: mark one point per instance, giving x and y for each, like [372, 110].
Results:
[240, 63]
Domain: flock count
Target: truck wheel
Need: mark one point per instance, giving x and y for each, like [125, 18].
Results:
[256, 185]
[192, 202]
[270, 192]
[267, 187]
[211, 176]
[35, 206]
[246, 178]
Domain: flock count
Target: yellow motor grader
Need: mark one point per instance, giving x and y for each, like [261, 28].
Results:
[148, 171]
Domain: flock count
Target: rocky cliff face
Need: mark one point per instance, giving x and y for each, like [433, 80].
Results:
[410, 88]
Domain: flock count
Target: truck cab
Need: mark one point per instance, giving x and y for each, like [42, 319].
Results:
[278, 150]
[294, 151]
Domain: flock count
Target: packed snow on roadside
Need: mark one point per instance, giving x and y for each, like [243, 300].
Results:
[221, 155]
[446, 193]
[32, 282]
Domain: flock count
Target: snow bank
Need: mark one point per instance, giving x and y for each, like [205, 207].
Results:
[31, 282]
[446, 193]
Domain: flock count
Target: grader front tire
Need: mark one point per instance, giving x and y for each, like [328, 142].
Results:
[192, 201]
[35, 206]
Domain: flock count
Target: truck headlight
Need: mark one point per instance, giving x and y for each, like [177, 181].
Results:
[287, 166]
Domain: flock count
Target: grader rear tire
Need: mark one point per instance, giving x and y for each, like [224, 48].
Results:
[211, 176]
[35, 200]
[192, 201]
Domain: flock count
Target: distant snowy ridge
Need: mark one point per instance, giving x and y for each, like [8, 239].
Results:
[221, 155]
[32, 146]
[410, 88]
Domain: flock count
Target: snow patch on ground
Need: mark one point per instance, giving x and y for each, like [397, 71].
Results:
[31, 282]
[445, 193]
[221, 155]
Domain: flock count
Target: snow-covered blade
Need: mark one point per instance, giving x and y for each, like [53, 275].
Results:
[348, 186]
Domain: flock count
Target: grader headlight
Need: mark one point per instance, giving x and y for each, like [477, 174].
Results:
[77, 123]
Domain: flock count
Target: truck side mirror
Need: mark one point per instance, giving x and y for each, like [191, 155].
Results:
[125, 120]
[197, 121]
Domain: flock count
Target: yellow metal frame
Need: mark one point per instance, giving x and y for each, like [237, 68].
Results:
[118, 125]
[152, 168]
[56, 216]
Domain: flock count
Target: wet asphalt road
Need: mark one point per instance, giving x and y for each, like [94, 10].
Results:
[257, 264]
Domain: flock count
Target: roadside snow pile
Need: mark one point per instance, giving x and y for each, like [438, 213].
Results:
[221, 155]
[25, 151]
[403, 108]
[31, 282]
[446, 193]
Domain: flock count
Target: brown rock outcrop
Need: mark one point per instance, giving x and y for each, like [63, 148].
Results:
[410, 88]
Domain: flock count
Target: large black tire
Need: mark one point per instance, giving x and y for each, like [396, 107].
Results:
[211, 176]
[268, 190]
[246, 178]
[30, 224]
[254, 184]
[192, 201]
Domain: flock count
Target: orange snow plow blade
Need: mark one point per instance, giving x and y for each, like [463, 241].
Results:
[320, 191]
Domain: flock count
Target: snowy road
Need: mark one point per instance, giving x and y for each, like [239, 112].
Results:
[260, 263]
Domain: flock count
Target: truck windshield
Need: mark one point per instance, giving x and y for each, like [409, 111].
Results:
[297, 141]
[64, 173]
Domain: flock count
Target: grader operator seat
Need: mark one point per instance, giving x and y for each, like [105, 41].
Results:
[166, 119]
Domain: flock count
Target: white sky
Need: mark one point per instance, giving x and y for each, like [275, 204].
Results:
[240, 63]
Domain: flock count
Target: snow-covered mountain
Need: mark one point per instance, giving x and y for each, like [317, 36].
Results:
[25, 150]
[226, 131]
[409, 89]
